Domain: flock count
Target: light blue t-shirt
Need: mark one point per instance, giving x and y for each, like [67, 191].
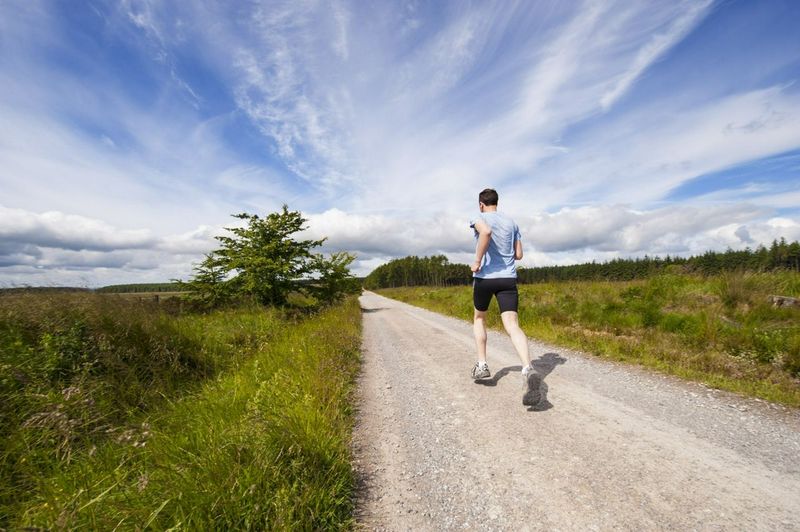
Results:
[498, 262]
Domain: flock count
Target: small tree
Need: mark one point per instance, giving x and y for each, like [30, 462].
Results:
[334, 278]
[208, 282]
[263, 261]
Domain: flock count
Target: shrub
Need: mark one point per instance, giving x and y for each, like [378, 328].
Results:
[735, 288]
[685, 325]
[649, 312]
[791, 358]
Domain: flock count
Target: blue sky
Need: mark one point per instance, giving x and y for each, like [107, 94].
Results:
[131, 130]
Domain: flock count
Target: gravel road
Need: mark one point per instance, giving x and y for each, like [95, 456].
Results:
[610, 447]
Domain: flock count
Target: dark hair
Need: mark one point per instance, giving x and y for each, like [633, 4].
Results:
[488, 196]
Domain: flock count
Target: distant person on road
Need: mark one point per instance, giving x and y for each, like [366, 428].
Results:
[498, 245]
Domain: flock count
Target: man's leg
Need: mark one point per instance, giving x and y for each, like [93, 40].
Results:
[479, 329]
[511, 323]
[481, 296]
[531, 380]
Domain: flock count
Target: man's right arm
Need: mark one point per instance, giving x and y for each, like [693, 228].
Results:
[484, 237]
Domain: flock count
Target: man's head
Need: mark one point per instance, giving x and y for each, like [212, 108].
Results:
[488, 197]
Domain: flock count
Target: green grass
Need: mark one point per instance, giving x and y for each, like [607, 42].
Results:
[118, 414]
[718, 330]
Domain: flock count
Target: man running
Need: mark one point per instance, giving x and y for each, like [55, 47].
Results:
[499, 244]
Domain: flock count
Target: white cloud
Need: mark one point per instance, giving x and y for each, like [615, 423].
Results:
[567, 236]
[395, 236]
[620, 228]
[56, 229]
[61, 244]
[193, 243]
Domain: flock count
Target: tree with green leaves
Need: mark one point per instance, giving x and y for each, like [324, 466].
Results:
[208, 283]
[263, 261]
[333, 277]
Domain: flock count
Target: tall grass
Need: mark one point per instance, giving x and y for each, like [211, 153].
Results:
[124, 416]
[719, 330]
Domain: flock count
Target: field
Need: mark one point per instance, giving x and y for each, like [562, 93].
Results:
[720, 330]
[120, 413]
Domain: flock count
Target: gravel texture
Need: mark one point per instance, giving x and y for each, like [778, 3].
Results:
[609, 447]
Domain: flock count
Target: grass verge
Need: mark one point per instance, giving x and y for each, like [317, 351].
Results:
[253, 434]
[722, 330]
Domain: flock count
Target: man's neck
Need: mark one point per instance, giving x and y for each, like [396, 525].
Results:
[490, 208]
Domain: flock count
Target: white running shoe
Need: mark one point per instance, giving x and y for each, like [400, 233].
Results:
[480, 371]
[532, 384]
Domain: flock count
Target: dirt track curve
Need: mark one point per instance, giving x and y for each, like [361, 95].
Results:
[610, 447]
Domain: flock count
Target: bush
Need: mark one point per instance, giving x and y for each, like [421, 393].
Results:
[688, 326]
[735, 288]
[649, 312]
[791, 358]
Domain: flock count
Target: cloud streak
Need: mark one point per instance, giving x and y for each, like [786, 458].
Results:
[657, 46]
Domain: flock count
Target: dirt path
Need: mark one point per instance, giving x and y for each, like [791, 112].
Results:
[609, 448]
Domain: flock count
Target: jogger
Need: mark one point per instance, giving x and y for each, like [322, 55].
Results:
[498, 246]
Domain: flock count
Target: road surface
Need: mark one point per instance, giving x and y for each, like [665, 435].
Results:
[610, 447]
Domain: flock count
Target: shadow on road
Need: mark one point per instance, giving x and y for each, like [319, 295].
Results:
[371, 310]
[544, 366]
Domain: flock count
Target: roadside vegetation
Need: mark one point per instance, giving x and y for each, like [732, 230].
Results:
[127, 413]
[722, 330]
[118, 413]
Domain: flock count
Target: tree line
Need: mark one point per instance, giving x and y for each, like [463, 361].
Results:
[139, 287]
[438, 271]
[418, 271]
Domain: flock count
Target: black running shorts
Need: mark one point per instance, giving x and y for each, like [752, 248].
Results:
[504, 289]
